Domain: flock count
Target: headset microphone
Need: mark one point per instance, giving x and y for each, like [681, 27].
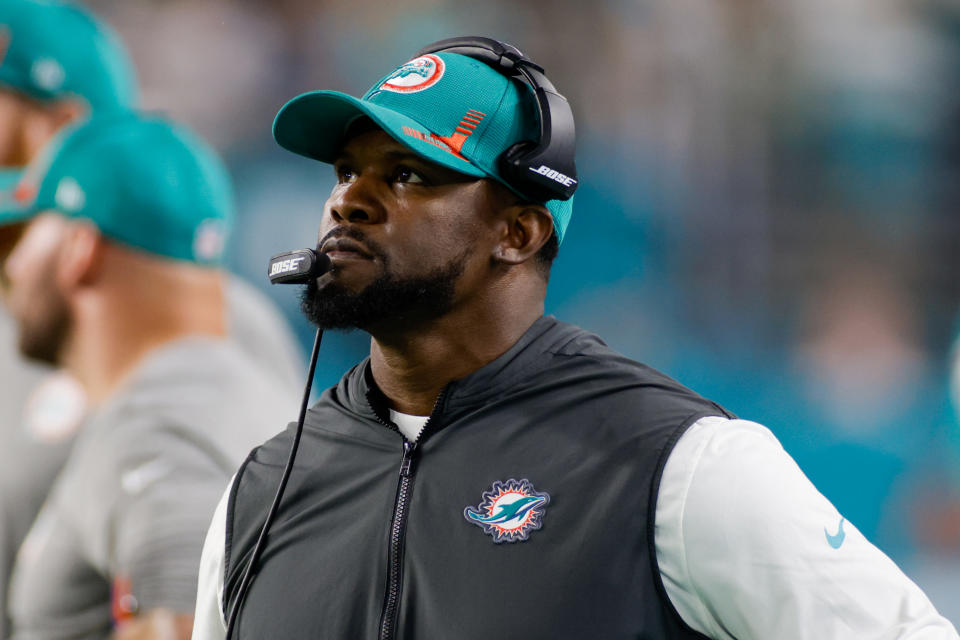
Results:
[299, 266]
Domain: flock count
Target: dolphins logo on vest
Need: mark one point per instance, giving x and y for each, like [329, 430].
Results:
[509, 511]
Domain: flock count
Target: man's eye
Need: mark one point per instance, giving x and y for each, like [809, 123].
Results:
[345, 174]
[408, 175]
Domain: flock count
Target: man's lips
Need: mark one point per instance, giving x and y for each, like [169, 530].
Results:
[345, 249]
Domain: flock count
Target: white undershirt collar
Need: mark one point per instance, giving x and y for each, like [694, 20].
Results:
[410, 426]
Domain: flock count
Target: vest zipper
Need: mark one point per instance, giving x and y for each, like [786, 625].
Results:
[391, 600]
[398, 529]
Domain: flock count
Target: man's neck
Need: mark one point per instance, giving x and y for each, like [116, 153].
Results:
[411, 368]
[102, 363]
[115, 331]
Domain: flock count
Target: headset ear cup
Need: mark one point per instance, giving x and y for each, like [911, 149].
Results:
[512, 165]
[544, 169]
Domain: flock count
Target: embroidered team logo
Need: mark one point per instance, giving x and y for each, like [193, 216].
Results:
[510, 511]
[418, 74]
[209, 240]
[70, 195]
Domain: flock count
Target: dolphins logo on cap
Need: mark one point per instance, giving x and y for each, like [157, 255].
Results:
[418, 74]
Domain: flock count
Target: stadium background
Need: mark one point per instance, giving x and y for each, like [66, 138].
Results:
[768, 209]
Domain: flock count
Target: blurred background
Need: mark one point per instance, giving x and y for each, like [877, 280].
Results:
[768, 208]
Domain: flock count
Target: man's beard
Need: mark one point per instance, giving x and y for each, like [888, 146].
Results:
[43, 340]
[401, 302]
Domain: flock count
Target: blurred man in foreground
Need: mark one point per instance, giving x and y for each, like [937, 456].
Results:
[491, 472]
[57, 65]
[115, 279]
[60, 65]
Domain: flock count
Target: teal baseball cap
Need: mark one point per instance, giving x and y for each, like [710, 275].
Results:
[50, 50]
[446, 107]
[145, 182]
[12, 208]
[9, 177]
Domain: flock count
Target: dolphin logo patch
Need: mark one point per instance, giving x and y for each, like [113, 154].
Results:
[414, 76]
[509, 511]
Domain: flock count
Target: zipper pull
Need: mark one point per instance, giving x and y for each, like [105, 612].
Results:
[406, 463]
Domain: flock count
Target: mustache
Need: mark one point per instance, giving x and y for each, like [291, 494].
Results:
[355, 234]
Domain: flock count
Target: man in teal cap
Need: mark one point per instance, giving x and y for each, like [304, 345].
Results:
[57, 64]
[491, 472]
[60, 65]
[116, 280]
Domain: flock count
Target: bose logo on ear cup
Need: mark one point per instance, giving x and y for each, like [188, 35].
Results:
[554, 175]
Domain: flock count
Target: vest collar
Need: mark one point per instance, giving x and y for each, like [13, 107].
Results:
[360, 394]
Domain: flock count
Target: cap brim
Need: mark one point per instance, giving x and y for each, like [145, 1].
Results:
[314, 124]
[12, 78]
[11, 210]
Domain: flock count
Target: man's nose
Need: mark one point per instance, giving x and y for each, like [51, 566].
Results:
[356, 202]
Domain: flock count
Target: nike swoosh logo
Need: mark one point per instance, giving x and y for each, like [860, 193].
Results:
[835, 540]
[136, 480]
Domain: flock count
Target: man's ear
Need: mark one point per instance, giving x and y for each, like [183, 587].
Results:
[64, 112]
[44, 123]
[81, 256]
[528, 228]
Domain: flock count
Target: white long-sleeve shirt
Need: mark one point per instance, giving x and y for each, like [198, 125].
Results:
[746, 546]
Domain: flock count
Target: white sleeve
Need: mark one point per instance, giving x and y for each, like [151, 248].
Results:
[749, 549]
[208, 620]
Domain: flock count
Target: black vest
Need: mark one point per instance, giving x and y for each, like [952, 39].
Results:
[378, 539]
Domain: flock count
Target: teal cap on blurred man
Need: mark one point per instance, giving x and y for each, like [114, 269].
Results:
[143, 181]
[50, 50]
[448, 108]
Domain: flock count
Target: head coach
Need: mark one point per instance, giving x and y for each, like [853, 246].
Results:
[491, 472]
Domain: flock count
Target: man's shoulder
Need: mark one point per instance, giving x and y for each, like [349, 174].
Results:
[197, 372]
[199, 395]
[262, 332]
[579, 356]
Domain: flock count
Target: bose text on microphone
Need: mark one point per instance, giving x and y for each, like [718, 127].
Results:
[297, 267]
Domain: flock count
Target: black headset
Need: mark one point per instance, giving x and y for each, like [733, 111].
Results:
[540, 170]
